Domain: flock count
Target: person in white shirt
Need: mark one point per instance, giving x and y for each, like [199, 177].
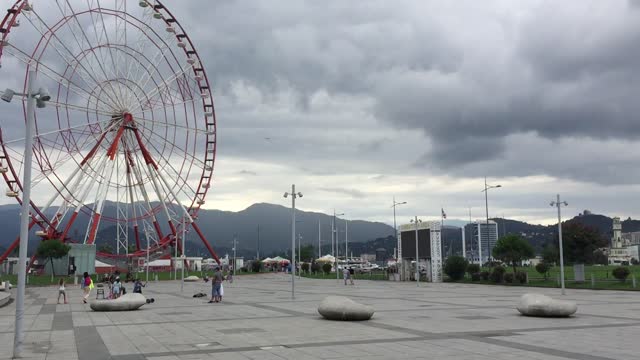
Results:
[62, 291]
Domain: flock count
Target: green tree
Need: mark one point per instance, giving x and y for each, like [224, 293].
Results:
[256, 265]
[52, 249]
[550, 254]
[306, 253]
[600, 258]
[580, 242]
[326, 267]
[512, 249]
[455, 267]
[543, 268]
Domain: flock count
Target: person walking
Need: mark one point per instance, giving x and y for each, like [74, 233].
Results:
[87, 285]
[216, 286]
[346, 275]
[61, 291]
[137, 286]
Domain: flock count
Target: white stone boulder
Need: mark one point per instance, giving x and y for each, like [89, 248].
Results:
[126, 302]
[544, 306]
[342, 308]
[191, 278]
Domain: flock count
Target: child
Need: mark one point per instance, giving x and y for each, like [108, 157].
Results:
[61, 291]
[137, 286]
[87, 285]
[115, 290]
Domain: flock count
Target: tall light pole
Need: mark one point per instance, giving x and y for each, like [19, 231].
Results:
[235, 244]
[334, 234]
[416, 221]
[294, 195]
[559, 204]
[38, 98]
[395, 229]
[258, 247]
[486, 204]
[319, 241]
[299, 252]
[346, 241]
[184, 250]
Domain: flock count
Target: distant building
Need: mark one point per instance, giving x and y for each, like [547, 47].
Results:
[632, 238]
[367, 258]
[624, 247]
[479, 232]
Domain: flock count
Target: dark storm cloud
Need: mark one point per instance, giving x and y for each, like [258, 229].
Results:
[467, 77]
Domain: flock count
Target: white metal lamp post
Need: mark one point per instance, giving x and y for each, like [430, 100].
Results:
[184, 251]
[294, 195]
[334, 234]
[395, 229]
[559, 204]
[235, 244]
[416, 221]
[486, 204]
[39, 98]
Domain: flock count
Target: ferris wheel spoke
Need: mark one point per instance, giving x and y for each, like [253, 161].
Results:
[176, 175]
[143, 109]
[171, 125]
[183, 152]
[166, 85]
[100, 61]
[53, 75]
[69, 62]
[114, 68]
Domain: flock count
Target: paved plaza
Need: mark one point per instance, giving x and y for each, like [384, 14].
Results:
[258, 320]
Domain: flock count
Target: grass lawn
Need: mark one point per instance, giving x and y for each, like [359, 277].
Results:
[604, 279]
[370, 276]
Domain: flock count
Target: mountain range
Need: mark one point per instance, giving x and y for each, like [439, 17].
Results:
[272, 223]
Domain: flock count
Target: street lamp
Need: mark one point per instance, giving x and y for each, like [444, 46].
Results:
[486, 203]
[294, 195]
[559, 204]
[235, 244]
[334, 241]
[415, 222]
[39, 97]
[395, 229]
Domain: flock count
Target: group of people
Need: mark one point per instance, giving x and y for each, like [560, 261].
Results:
[116, 289]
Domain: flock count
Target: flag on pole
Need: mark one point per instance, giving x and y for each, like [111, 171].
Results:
[444, 216]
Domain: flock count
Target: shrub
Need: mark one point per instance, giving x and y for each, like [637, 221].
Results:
[621, 273]
[497, 275]
[305, 267]
[475, 276]
[326, 268]
[543, 268]
[455, 267]
[508, 278]
[635, 261]
[473, 268]
[484, 275]
[315, 267]
[521, 277]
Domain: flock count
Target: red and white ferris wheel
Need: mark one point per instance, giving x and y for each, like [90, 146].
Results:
[126, 145]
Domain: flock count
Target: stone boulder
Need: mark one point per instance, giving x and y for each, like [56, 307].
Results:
[191, 278]
[342, 308]
[544, 306]
[126, 302]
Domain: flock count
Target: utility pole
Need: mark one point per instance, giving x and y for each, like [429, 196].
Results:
[416, 221]
[294, 195]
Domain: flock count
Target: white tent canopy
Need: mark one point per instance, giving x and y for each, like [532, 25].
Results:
[327, 258]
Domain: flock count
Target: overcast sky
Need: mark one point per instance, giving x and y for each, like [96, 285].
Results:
[359, 101]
